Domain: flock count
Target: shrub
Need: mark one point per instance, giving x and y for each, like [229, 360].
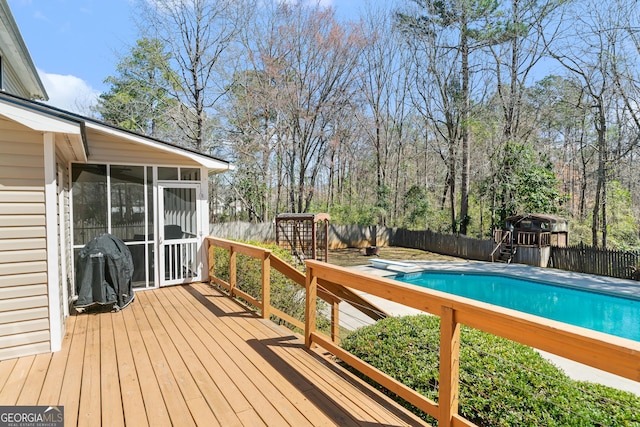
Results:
[502, 383]
[285, 295]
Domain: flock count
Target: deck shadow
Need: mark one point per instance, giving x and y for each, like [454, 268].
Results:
[323, 401]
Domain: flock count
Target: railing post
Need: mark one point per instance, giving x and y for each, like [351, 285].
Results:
[448, 392]
[335, 321]
[211, 259]
[266, 285]
[311, 287]
[233, 272]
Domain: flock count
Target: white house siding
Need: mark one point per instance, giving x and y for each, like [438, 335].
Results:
[24, 324]
[12, 83]
[107, 149]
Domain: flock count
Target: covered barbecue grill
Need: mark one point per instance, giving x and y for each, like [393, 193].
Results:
[104, 269]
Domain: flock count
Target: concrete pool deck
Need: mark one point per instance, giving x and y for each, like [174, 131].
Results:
[351, 318]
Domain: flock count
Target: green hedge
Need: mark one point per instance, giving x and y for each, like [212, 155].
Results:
[285, 294]
[502, 383]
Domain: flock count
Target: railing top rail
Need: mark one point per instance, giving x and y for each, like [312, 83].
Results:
[609, 353]
[239, 247]
[332, 294]
[532, 232]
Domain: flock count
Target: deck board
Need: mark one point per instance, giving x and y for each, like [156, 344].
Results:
[35, 379]
[229, 403]
[176, 404]
[130, 389]
[12, 388]
[90, 394]
[155, 409]
[189, 355]
[72, 378]
[270, 402]
[251, 366]
[109, 383]
[52, 385]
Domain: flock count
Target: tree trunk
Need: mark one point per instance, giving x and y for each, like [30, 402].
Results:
[600, 202]
[452, 185]
[464, 184]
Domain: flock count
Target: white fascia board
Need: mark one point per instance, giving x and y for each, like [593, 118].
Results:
[39, 121]
[211, 164]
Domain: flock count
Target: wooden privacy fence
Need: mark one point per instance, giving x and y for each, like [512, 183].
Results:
[580, 258]
[447, 244]
[609, 353]
[604, 262]
[340, 236]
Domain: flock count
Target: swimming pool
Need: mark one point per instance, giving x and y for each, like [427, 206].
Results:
[610, 314]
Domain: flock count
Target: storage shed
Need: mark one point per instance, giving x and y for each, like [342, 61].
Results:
[538, 230]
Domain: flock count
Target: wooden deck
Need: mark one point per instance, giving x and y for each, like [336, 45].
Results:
[188, 355]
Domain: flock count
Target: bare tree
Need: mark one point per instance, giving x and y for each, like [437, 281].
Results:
[516, 48]
[384, 86]
[289, 100]
[320, 57]
[197, 33]
[594, 57]
[446, 34]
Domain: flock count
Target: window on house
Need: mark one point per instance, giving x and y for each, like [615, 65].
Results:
[189, 174]
[167, 174]
[178, 174]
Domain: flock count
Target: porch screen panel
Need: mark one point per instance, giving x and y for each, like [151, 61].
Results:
[180, 229]
[128, 203]
[89, 189]
[180, 213]
[116, 199]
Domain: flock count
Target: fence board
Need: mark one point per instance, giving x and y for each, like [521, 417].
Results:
[603, 262]
[580, 258]
[447, 244]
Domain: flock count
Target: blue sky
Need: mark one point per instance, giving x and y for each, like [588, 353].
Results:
[75, 43]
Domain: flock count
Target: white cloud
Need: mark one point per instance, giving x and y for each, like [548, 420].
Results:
[69, 92]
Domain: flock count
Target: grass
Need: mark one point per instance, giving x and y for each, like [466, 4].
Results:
[350, 257]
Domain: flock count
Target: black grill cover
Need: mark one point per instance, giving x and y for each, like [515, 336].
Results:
[104, 269]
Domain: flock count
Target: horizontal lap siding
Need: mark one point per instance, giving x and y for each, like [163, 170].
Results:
[24, 324]
[106, 149]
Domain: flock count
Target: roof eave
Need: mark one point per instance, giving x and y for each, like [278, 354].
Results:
[212, 164]
[75, 149]
[18, 55]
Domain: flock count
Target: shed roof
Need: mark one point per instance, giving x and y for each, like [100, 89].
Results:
[555, 223]
[537, 216]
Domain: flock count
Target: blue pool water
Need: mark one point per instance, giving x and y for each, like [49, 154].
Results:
[601, 312]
